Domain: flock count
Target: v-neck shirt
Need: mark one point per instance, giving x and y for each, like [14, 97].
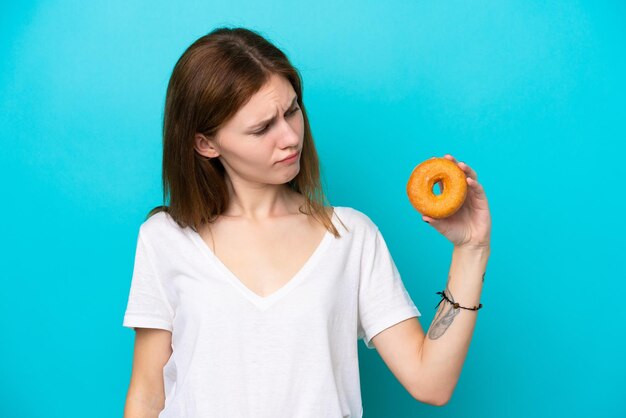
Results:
[263, 302]
[292, 353]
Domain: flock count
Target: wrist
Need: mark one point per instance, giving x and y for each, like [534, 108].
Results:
[473, 248]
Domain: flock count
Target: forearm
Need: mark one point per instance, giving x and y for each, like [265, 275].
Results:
[138, 406]
[447, 341]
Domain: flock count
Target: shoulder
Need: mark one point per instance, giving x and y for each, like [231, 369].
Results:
[159, 227]
[355, 218]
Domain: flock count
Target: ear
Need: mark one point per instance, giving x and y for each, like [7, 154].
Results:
[205, 146]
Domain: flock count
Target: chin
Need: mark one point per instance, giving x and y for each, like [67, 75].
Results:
[289, 178]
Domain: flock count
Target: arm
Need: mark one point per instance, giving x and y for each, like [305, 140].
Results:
[446, 345]
[429, 366]
[146, 397]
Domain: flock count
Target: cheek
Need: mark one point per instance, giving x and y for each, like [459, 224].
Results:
[260, 153]
[250, 152]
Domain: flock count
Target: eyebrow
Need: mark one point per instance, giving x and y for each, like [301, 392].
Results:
[273, 118]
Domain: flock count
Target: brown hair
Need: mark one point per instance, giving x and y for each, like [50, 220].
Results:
[213, 78]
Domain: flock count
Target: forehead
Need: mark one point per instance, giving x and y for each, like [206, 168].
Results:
[275, 94]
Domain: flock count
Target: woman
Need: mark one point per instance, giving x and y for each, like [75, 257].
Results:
[248, 294]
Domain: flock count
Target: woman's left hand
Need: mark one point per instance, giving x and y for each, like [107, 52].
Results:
[470, 226]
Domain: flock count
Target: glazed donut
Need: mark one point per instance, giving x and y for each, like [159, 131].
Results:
[453, 188]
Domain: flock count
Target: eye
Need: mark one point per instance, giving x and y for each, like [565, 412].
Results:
[262, 131]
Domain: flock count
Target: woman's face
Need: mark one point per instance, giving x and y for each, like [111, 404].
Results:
[250, 145]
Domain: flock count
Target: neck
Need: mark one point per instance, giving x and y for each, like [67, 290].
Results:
[260, 201]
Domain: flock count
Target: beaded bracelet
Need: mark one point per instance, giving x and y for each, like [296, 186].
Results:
[456, 305]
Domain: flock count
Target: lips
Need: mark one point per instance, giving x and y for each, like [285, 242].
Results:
[290, 156]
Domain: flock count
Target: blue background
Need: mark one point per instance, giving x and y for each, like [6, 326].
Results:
[530, 94]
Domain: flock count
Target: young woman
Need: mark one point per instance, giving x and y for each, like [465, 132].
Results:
[249, 294]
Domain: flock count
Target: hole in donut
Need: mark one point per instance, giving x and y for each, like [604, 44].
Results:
[438, 188]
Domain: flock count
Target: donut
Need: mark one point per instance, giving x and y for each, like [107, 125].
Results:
[453, 188]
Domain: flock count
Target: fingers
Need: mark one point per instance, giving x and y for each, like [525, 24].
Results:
[476, 187]
[466, 168]
[472, 181]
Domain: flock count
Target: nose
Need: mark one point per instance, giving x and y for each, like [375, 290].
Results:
[289, 137]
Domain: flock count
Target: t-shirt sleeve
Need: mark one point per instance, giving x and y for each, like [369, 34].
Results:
[383, 299]
[147, 305]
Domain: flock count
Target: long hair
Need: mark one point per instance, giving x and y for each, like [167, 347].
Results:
[214, 77]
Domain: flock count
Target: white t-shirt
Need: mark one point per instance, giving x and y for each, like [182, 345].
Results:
[290, 354]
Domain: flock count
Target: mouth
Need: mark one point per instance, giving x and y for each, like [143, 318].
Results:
[290, 158]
